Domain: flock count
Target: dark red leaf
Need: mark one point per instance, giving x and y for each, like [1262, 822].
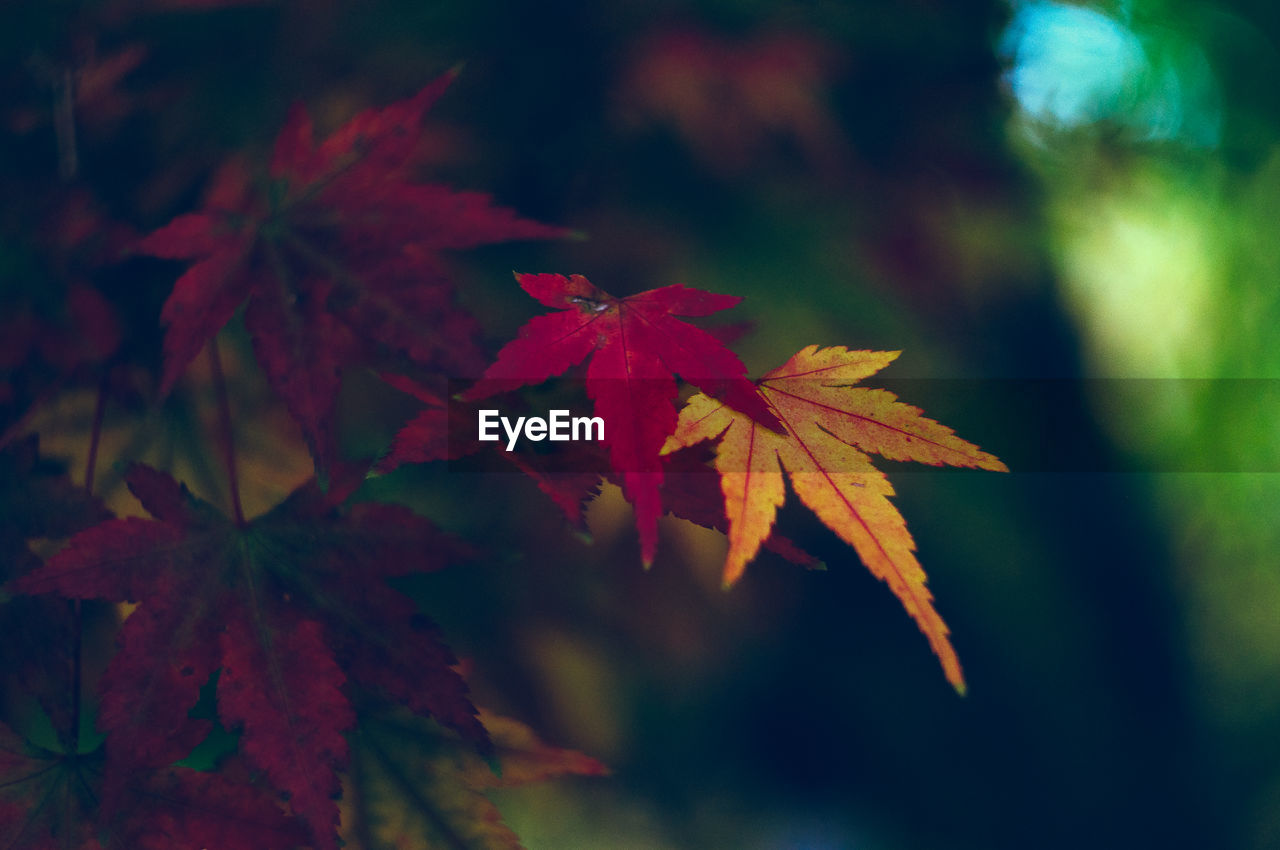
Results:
[53, 800]
[637, 346]
[339, 255]
[178, 807]
[280, 684]
[216, 596]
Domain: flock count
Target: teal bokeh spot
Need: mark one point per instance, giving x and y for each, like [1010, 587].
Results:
[1071, 66]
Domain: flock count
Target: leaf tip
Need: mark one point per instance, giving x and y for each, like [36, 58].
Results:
[955, 675]
[729, 580]
[734, 567]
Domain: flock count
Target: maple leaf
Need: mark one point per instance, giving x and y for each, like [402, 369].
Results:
[338, 254]
[637, 346]
[433, 434]
[691, 492]
[414, 784]
[570, 491]
[38, 500]
[175, 808]
[280, 607]
[46, 797]
[425, 438]
[830, 426]
[52, 799]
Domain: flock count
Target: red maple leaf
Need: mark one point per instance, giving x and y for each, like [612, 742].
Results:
[52, 798]
[425, 438]
[445, 430]
[338, 254]
[281, 606]
[637, 346]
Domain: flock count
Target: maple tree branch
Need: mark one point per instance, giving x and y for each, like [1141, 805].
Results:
[228, 434]
[95, 434]
[77, 612]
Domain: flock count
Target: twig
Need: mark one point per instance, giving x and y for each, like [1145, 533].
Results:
[228, 435]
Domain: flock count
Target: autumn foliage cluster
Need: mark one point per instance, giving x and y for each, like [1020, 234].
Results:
[268, 687]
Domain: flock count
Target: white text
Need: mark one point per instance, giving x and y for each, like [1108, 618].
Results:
[558, 426]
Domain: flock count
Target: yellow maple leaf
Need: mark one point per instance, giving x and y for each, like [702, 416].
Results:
[830, 428]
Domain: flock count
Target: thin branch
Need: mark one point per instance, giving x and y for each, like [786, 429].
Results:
[95, 435]
[228, 434]
[77, 613]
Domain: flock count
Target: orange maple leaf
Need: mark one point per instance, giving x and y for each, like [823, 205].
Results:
[830, 428]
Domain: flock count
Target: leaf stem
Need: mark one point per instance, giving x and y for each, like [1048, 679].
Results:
[95, 435]
[77, 612]
[228, 435]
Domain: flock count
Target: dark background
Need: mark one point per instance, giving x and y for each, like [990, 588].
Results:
[1026, 192]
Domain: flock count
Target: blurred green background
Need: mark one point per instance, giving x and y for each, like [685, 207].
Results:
[1063, 214]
